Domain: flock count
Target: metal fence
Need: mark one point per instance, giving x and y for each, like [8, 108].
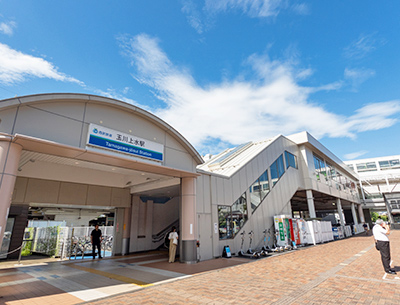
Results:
[65, 242]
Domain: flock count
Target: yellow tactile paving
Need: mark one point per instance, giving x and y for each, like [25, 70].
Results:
[110, 275]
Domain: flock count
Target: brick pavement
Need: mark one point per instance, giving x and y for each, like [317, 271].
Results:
[342, 272]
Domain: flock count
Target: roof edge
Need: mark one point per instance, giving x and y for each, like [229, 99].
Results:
[43, 97]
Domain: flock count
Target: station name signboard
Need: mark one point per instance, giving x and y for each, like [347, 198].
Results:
[113, 140]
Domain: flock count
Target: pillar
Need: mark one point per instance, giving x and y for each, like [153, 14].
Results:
[362, 191]
[340, 211]
[310, 202]
[126, 231]
[9, 160]
[353, 212]
[361, 213]
[188, 221]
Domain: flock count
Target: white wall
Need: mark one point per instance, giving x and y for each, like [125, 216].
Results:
[217, 190]
[30, 190]
[165, 214]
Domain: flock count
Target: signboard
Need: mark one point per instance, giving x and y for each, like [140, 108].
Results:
[113, 140]
[227, 252]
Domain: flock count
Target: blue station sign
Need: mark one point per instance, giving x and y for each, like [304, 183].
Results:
[117, 141]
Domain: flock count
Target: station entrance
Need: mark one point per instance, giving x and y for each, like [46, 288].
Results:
[54, 212]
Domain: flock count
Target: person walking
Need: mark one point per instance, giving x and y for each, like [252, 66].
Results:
[381, 232]
[173, 242]
[96, 238]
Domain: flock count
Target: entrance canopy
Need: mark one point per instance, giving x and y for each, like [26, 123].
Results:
[55, 132]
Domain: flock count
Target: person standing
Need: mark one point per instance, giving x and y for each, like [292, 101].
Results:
[173, 242]
[381, 232]
[96, 238]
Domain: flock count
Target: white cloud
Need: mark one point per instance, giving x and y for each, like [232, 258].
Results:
[358, 76]
[362, 46]
[202, 18]
[301, 8]
[374, 116]
[237, 111]
[114, 94]
[355, 155]
[253, 8]
[16, 66]
[193, 15]
[7, 28]
[126, 90]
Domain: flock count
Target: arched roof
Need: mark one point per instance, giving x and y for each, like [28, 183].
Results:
[85, 98]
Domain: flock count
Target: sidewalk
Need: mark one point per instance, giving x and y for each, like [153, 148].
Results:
[342, 272]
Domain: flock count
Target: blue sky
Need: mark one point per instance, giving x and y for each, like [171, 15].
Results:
[222, 72]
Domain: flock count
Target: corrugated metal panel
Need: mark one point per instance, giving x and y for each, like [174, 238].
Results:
[236, 160]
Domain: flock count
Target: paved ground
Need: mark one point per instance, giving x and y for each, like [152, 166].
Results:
[342, 272]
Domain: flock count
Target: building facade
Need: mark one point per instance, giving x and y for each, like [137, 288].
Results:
[379, 183]
[71, 156]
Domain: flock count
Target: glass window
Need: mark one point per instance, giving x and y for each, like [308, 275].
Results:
[366, 167]
[255, 198]
[342, 180]
[372, 195]
[281, 166]
[232, 218]
[258, 190]
[349, 165]
[330, 170]
[274, 173]
[5, 246]
[264, 184]
[239, 214]
[320, 170]
[224, 219]
[333, 173]
[290, 160]
[389, 164]
[277, 170]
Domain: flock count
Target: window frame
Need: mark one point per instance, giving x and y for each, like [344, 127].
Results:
[288, 163]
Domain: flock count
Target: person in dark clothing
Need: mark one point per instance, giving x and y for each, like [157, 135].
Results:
[96, 238]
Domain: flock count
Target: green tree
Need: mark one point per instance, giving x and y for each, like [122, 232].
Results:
[374, 216]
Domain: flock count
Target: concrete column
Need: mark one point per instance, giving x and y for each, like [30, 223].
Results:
[188, 221]
[149, 223]
[133, 242]
[340, 211]
[310, 202]
[362, 191]
[353, 212]
[361, 213]
[118, 231]
[10, 154]
[126, 231]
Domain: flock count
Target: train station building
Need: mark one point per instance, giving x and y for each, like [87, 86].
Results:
[79, 157]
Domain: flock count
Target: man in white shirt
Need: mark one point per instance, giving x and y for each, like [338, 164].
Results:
[173, 242]
[381, 231]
